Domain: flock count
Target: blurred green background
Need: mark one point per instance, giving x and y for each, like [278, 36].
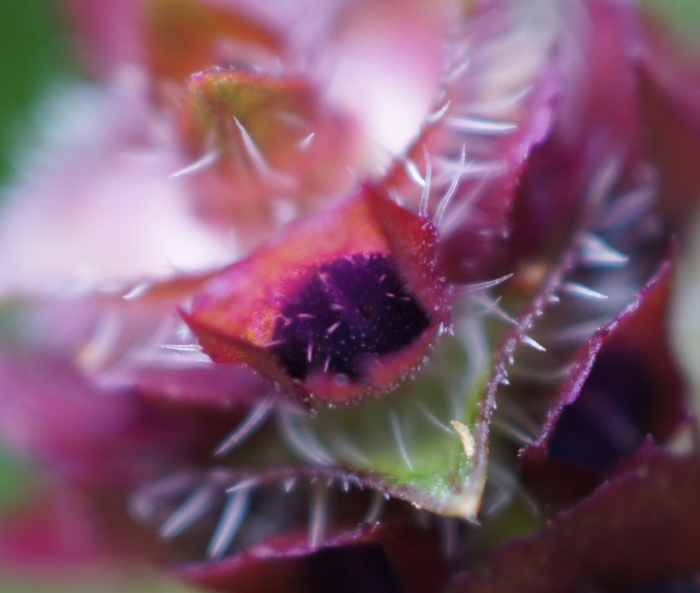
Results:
[35, 55]
[682, 15]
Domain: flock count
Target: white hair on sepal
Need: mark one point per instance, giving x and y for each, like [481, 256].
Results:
[230, 523]
[318, 514]
[399, 439]
[375, 509]
[255, 418]
[507, 483]
[596, 253]
[294, 428]
[447, 198]
[203, 163]
[145, 502]
[278, 179]
[197, 505]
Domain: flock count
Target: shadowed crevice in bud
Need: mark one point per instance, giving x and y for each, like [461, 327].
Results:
[360, 568]
[352, 308]
[611, 417]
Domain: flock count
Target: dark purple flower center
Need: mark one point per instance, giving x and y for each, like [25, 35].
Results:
[353, 308]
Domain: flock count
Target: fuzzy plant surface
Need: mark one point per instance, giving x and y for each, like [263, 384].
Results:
[358, 295]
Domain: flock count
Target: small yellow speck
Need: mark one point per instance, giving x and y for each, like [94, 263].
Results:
[467, 438]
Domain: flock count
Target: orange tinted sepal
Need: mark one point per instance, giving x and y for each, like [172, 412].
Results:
[270, 137]
[184, 36]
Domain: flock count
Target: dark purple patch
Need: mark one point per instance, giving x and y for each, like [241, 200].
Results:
[352, 569]
[353, 308]
[611, 418]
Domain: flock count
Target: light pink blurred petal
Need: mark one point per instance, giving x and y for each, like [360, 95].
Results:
[95, 206]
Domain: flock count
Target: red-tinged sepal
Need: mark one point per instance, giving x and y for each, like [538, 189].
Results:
[262, 145]
[341, 304]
